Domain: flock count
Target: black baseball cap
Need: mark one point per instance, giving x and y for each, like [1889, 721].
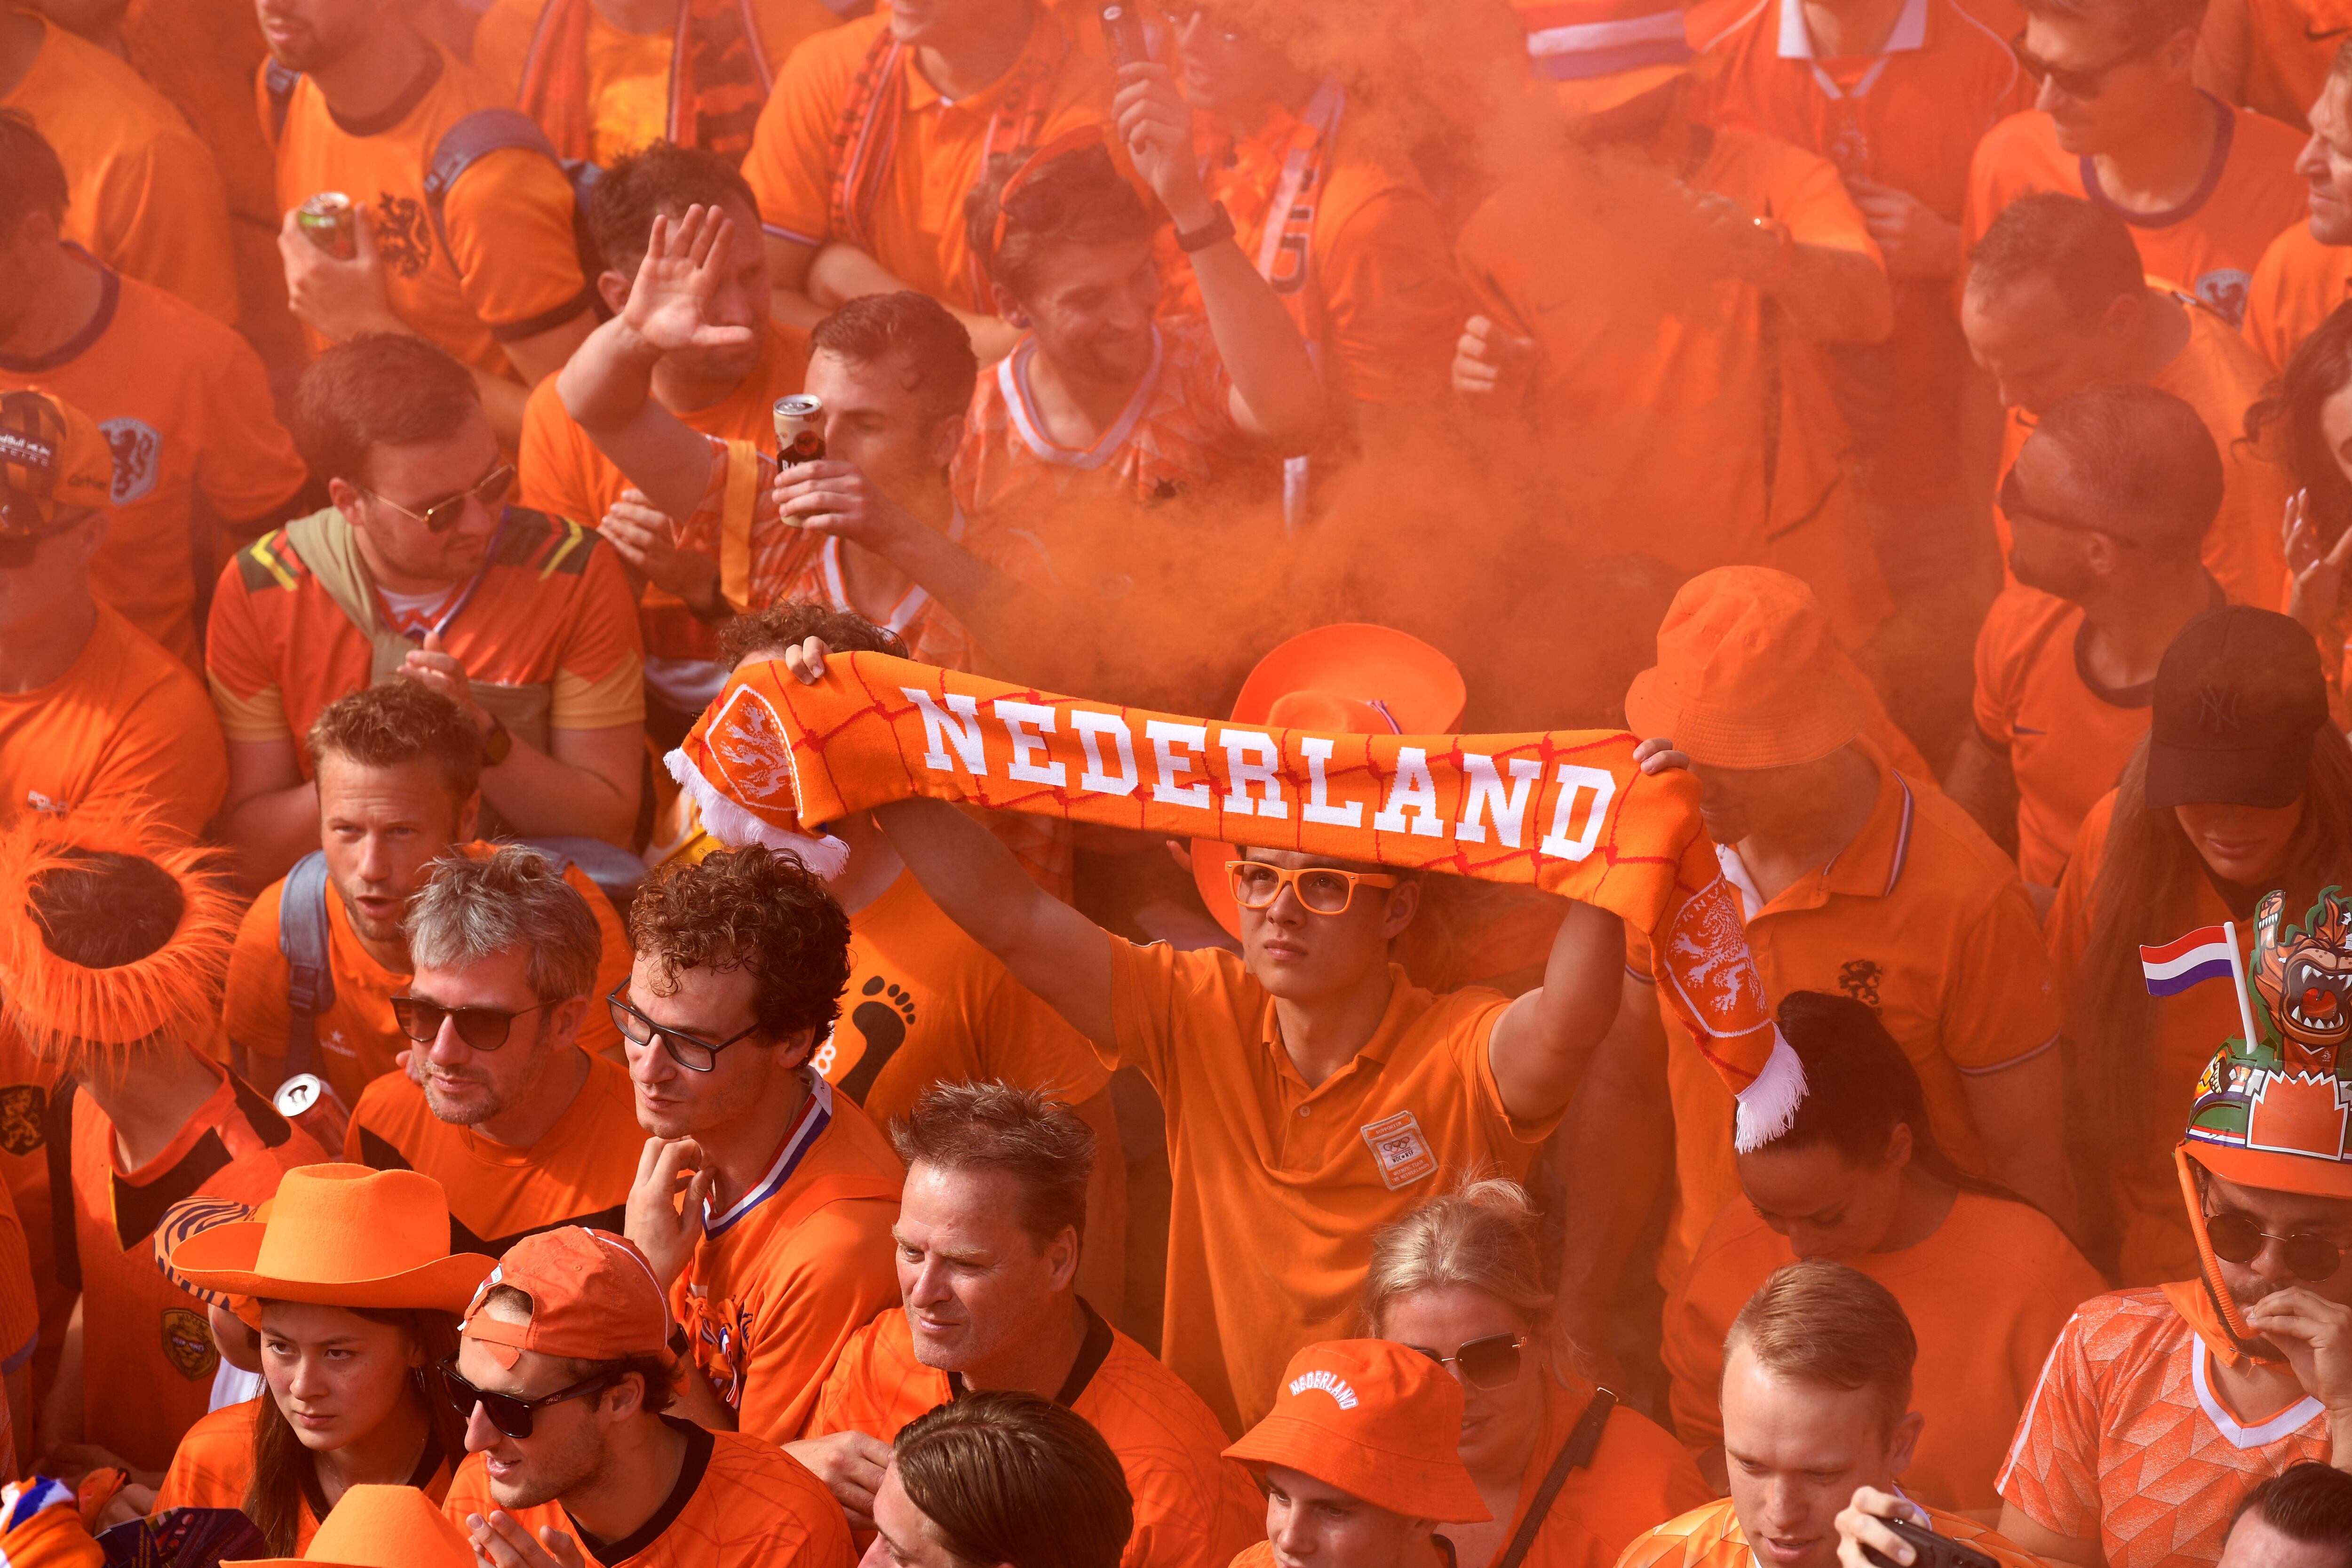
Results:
[2239, 697]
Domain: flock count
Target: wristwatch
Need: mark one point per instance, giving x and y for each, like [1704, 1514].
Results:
[497, 741]
[1218, 227]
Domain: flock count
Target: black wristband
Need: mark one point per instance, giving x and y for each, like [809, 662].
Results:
[1218, 227]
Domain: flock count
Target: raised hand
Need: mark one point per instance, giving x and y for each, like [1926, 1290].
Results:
[2315, 577]
[1155, 125]
[686, 258]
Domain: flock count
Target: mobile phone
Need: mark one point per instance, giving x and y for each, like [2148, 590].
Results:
[1124, 31]
[1932, 1551]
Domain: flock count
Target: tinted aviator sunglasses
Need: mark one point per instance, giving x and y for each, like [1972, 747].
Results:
[483, 1028]
[1492, 1362]
[443, 514]
[2238, 1238]
[2078, 84]
[511, 1413]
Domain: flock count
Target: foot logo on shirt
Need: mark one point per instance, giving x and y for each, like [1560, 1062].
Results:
[402, 238]
[884, 1021]
[188, 1343]
[24, 1114]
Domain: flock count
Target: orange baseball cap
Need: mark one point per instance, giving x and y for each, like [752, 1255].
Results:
[593, 1297]
[379, 1527]
[1750, 674]
[1351, 679]
[1375, 1419]
[52, 456]
[342, 1236]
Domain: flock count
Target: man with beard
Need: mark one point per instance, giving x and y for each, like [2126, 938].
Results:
[398, 772]
[523, 1129]
[2307, 271]
[2110, 500]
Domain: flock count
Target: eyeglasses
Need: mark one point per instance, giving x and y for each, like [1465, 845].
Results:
[688, 1051]
[2238, 1238]
[2082, 84]
[442, 515]
[510, 1413]
[1322, 890]
[483, 1028]
[2014, 504]
[1489, 1362]
[1040, 193]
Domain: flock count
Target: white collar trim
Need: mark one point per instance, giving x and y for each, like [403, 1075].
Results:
[1797, 39]
[2241, 1436]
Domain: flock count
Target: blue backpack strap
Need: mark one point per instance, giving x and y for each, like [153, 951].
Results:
[472, 138]
[279, 82]
[309, 976]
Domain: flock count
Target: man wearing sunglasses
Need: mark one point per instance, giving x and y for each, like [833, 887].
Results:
[94, 712]
[2056, 302]
[2109, 502]
[2119, 118]
[2159, 1408]
[564, 1378]
[421, 571]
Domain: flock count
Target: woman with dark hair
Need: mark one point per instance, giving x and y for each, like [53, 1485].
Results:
[357, 1298]
[1986, 1278]
[2241, 786]
[2305, 420]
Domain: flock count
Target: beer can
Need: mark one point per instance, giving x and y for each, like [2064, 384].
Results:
[798, 439]
[329, 220]
[307, 1101]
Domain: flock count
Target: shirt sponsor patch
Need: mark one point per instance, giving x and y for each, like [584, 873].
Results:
[1400, 1150]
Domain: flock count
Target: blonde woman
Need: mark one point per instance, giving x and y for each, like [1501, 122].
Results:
[1569, 1475]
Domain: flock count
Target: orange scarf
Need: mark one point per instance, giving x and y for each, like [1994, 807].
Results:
[718, 77]
[1568, 812]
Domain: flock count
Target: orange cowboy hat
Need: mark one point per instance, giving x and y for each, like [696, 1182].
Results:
[379, 1527]
[341, 1235]
[1376, 1419]
[1350, 679]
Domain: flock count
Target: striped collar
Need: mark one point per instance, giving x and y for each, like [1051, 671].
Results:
[816, 1114]
[1872, 866]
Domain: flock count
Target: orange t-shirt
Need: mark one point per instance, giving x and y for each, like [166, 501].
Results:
[2207, 247]
[143, 193]
[510, 269]
[917, 224]
[2290, 46]
[1923, 920]
[579, 1172]
[1659, 390]
[551, 608]
[1192, 1508]
[357, 1040]
[628, 74]
[2181, 1033]
[2065, 739]
[147, 1371]
[125, 722]
[780, 1281]
[928, 1004]
[1983, 1330]
[1638, 1474]
[185, 405]
[1711, 1537]
[1278, 1187]
[2126, 1443]
[212, 1467]
[2298, 285]
[739, 1502]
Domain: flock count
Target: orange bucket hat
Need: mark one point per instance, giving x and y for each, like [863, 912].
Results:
[380, 1527]
[341, 1235]
[1375, 1419]
[1750, 674]
[1351, 679]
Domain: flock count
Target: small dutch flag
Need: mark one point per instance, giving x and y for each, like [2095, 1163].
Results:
[2209, 953]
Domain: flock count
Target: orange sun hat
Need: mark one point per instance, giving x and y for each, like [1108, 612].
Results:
[1750, 674]
[1349, 679]
[380, 1527]
[341, 1235]
[1374, 1418]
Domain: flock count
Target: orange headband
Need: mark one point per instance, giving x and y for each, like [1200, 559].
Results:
[1033, 168]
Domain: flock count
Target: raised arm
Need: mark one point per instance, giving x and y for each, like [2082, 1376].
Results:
[1544, 1039]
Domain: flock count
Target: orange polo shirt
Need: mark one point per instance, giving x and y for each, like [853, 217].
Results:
[1638, 1474]
[1983, 1331]
[510, 269]
[1923, 920]
[1659, 390]
[143, 195]
[1278, 1186]
[125, 722]
[358, 1041]
[2181, 1033]
[928, 1004]
[917, 226]
[185, 405]
[1711, 1537]
[1192, 1508]
[579, 1172]
[2290, 45]
[212, 1467]
[2208, 246]
[2298, 285]
[149, 1357]
[780, 1282]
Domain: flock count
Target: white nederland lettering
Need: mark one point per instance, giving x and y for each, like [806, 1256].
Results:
[1330, 1383]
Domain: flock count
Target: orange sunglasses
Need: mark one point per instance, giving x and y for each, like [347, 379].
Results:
[1320, 889]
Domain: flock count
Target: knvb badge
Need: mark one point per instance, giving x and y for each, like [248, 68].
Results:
[1400, 1150]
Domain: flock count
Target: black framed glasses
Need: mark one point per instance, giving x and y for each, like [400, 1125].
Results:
[442, 515]
[1492, 1362]
[2080, 84]
[2014, 503]
[482, 1029]
[691, 1052]
[511, 1413]
[2238, 1238]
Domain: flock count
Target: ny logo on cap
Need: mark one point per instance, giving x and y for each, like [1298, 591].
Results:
[2217, 709]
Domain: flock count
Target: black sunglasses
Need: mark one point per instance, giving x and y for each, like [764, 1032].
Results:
[443, 514]
[1492, 1362]
[2238, 1238]
[483, 1028]
[2080, 84]
[510, 1413]
[2013, 503]
[691, 1052]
